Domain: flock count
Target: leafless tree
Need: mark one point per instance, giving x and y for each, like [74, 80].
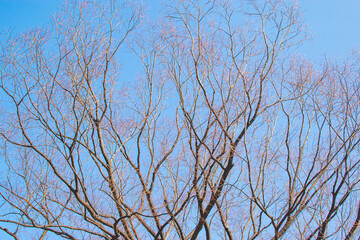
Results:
[221, 132]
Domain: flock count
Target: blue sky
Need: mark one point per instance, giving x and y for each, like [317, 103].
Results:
[23, 14]
[334, 23]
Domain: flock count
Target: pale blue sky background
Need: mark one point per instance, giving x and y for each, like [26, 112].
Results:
[335, 24]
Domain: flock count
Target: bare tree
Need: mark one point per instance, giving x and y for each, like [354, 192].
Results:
[222, 132]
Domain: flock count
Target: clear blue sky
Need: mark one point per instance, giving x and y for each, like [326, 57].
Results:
[23, 14]
[333, 23]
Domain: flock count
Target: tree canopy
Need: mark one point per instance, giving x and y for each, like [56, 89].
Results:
[221, 132]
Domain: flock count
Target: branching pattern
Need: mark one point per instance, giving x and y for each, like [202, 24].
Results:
[221, 133]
